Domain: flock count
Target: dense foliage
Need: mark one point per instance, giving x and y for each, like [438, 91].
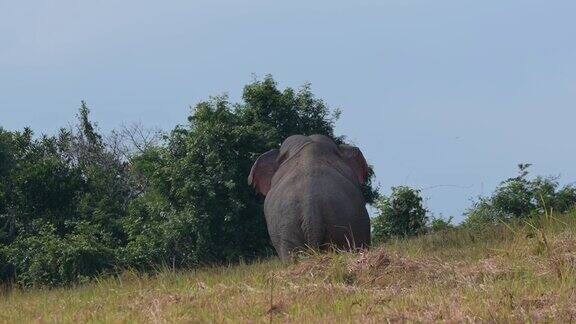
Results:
[62, 200]
[75, 205]
[400, 214]
[520, 197]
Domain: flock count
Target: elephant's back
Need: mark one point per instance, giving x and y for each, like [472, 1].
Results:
[325, 183]
[343, 211]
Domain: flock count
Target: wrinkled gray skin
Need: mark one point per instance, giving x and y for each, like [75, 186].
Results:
[313, 196]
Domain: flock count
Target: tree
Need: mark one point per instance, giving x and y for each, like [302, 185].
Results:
[213, 215]
[401, 214]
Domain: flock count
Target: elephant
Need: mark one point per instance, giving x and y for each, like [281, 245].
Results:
[313, 195]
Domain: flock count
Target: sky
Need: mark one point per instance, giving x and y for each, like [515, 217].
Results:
[444, 96]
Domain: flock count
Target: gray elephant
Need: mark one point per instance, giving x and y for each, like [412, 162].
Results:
[313, 196]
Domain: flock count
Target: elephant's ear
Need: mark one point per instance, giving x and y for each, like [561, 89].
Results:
[355, 160]
[263, 170]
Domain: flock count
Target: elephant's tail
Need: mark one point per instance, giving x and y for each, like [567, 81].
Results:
[313, 226]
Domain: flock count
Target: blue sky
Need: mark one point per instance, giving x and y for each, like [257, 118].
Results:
[447, 96]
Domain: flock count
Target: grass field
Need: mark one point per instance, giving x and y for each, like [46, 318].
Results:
[522, 272]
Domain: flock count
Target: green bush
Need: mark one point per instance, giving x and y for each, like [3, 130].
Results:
[440, 224]
[62, 199]
[401, 214]
[45, 258]
[520, 197]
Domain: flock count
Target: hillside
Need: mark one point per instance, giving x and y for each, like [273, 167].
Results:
[522, 272]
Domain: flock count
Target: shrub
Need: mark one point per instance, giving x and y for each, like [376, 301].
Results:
[401, 214]
[520, 197]
[44, 258]
[61, 201]
[440, 224]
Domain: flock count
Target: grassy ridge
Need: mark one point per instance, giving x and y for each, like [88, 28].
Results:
[519, 272]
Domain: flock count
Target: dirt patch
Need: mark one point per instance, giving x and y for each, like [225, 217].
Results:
[376, 268]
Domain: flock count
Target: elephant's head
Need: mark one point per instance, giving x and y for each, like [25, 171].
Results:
[348, 159]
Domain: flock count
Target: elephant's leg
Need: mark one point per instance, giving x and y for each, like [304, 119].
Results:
[284, 253]
[291, 245]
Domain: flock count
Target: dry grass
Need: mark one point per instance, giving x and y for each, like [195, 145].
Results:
[505, 274]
